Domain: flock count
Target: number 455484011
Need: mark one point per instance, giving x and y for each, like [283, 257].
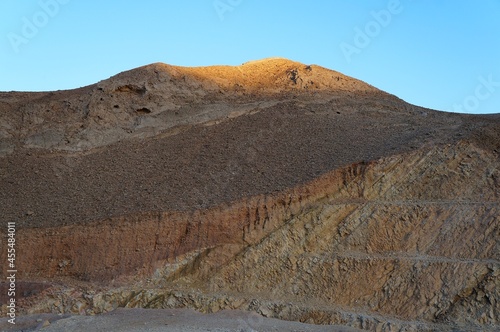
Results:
[11, 246]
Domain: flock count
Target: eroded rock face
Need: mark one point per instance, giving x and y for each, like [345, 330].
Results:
[388, 253]
[371, 238]
[345, 206]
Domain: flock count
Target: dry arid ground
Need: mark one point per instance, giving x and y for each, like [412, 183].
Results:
[274, 187]
[156, 320]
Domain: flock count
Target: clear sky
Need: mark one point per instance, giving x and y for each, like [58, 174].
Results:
[439, 54]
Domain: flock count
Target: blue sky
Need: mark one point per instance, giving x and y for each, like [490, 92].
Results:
[438, 54]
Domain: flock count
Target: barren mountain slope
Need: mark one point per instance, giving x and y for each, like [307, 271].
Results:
[274, 186]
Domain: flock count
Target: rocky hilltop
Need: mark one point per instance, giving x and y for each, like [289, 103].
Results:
[286, 189]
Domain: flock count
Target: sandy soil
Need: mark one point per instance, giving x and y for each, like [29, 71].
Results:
[147, 320]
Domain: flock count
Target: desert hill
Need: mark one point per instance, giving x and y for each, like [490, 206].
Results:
[157, 97]
[277, 187]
